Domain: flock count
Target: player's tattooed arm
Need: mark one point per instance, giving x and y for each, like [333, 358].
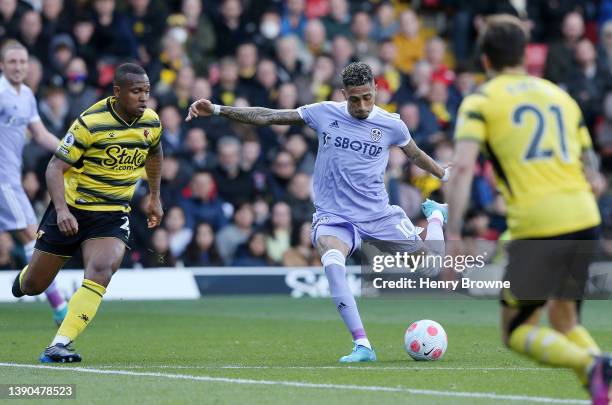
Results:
[422, 159]
[590, 163]
[261, 116]
[246, 115]
[153, 166]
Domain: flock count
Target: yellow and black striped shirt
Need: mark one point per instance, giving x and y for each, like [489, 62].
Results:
[107, 156]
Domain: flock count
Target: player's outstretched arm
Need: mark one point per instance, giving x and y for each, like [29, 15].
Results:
[424, 161]
[66, 222]
[42, 136]
[153, 166]
[246, 115]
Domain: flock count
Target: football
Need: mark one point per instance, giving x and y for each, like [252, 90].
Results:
[425, 340]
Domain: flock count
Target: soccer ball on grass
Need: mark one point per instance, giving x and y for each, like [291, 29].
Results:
[425, 340]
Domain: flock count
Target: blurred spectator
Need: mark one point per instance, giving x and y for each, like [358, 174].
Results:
[298, 148]
[236, 233]
[290, 67]
[112, 35]
[420, 130]
[439, 104]
[228, 89]
[435, 52]
[181, 92]
[34, 76]
[202, 251]
[269, 31]
[80, 93]
[230, 28]
[61, 52]
[342, 52]
[605, 46]
[283, 169]
[301, 253]
[409, 42]
[561, 53]
[54, 17]
[179, 234]
[419, 84]
[264, 92]
[253, 253]
[7, 260]
[30, 33]
[10, 16]
[293, 20]
[463, 85]
[388, 77]
[53, 111]
[278, 232]
[170, 61]
[299, 198]
[588, 82]
[235, 185]
[202, 203]
[246, 59]
[158, 255]
[196, 153]
[147, 21]
[202, 36]
[423, 181]
[287, 96]
[604, 132]
[315, 39]
[262, 211]
[82, 32]
[251, 155]
[361, 28]
[174, 177]
[385, 23]
[338, 21]
[318, 87]
[172, 133]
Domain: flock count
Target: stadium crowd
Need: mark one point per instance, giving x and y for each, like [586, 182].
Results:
[240, 195]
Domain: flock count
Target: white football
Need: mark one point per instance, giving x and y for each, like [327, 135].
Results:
[425, 340]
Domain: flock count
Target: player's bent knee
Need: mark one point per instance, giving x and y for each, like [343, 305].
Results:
[33, 287]
[99, 272]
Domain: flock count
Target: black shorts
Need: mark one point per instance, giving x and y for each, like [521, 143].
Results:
[554, 267]
[92, 224]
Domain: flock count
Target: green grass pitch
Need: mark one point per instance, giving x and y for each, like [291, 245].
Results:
[282, 350]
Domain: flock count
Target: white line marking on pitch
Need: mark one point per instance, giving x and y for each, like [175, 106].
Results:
[297, 384]
[369, 368]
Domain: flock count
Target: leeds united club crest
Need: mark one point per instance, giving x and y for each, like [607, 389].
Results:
[376, 134]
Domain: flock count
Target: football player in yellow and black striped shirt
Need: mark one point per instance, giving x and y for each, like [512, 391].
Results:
[91, 179]
[534, 134]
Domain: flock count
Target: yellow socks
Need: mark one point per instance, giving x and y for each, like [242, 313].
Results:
[81, 309]
[581, 337]
[550, 347]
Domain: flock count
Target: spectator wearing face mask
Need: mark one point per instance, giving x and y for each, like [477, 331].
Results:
[80, 93]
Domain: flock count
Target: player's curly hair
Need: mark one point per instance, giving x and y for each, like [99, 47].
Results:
[357, 74]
